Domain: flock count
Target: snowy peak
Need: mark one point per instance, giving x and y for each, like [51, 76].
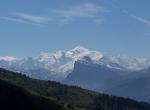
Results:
[125, 62]
[76, 52]
[79, 49]
[8, 58]
[46, 56]
[63, 61]
[79, 52]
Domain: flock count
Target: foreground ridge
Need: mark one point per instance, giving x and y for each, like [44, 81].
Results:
[72, 95]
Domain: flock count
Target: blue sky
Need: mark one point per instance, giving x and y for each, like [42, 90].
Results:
[28, 27]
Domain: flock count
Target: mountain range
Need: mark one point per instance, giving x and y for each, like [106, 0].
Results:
[58, 65]
[118, 75]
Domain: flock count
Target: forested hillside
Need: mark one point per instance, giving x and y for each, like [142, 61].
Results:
[71, 96]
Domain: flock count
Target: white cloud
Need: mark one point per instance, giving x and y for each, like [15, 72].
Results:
[27, 18]
[138, 18]
[87, 10]
[143, 20]
[32, 18]
[18, 20]
[132, 15]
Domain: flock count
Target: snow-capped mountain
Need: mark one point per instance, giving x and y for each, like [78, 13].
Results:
[61, 63]
[125, 62]
[8, 58]
[113, 74]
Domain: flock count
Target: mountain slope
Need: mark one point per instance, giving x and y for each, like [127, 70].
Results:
[16, 98]
[137, 87]
[81, 98]
[113, 81]
[94, 76]
[61, 92]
